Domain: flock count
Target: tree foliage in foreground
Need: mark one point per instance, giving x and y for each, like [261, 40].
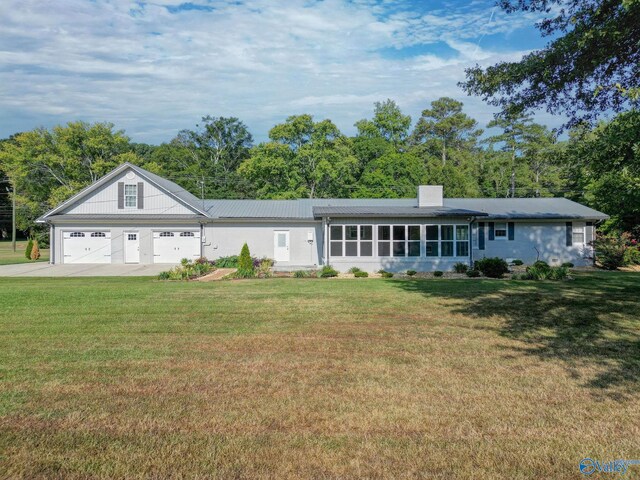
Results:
[591, 66]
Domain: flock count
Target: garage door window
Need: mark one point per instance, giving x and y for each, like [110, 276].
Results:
[98, 234]
[166, 234]
[187, 234]
[76, 234]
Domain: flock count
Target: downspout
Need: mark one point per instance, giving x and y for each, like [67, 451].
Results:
[52, 244]
[471, 222]
[326, 241]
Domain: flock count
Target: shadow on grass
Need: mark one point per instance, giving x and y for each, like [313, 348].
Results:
[592, 321]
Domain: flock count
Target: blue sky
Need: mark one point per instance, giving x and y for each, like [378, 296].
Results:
[154, 68]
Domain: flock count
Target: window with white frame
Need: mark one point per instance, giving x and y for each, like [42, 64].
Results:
[131, 196]
[447, 240]
[577, 235]
[351, 240]
[398, 240]
[500, 230]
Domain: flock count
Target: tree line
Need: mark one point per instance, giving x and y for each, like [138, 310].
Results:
[308, 158]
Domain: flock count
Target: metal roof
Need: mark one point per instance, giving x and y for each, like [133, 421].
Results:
[514, 208]
[124, 216]
[393, 212]
[527, 208]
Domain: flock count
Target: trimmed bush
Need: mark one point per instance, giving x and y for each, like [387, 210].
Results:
[460, 267]
[438, 273]
[246, 268]
[518, 262]
[473, 273]
[27, 251]
[354, 270]
[327, 272]
[385, 274]
[568, 265]
[360, 274]
[632, 256]
[541, 264]
[411, 273]
[35, 251]
[492, 267]
[303, 273]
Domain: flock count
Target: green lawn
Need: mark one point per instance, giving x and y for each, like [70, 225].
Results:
[8, 256]
[318, 378]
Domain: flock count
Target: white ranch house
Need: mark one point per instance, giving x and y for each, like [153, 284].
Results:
[134, 216]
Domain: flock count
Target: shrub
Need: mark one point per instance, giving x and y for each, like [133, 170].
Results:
[360, 274]
[227, 262]
[518, 262]
[460, 267]
[27, 251]
[264, 268]
[568, 265]
[35, 251]
[541, 264]
[558, 273]
[411, 273]
[611, 250]
[354, 270]
[327, 271]
[492, 267]
[473, 273]
[521, 276]
[632, 256]
[538, 272]
[438, 273]
[385, 274]
[303, 273]
[186, 270]
[246, 268]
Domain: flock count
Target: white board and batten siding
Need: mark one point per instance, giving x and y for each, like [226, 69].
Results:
[104, 200]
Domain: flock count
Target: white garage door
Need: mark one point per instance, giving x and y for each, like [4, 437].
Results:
[86, 247]
[171, 246]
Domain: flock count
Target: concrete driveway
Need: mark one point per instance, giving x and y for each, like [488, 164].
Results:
[78, 270]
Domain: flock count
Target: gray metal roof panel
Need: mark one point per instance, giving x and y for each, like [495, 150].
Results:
[527, 208]
[115, 216]
[384, 211]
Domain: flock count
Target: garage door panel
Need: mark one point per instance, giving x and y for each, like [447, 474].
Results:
[87, 246]
[171, 246]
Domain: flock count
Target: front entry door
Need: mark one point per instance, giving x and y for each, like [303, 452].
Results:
[281, 246]
[131, 247]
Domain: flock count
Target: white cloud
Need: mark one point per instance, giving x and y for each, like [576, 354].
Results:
[153, 72]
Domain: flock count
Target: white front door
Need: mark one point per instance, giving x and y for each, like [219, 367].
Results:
[131, 247]
[281, 246]
[86, 247]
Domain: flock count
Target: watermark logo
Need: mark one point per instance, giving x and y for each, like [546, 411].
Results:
[589, 466]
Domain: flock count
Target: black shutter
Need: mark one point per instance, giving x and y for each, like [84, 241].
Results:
[492, 231]
[569, 234]
[512, 230]
[481, 235]
[120, 195]
[140, 195]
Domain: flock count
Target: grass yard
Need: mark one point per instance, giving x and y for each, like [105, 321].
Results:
[9, 257]
[288, 378]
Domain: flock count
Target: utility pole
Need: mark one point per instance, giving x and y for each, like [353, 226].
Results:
[13, 219]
